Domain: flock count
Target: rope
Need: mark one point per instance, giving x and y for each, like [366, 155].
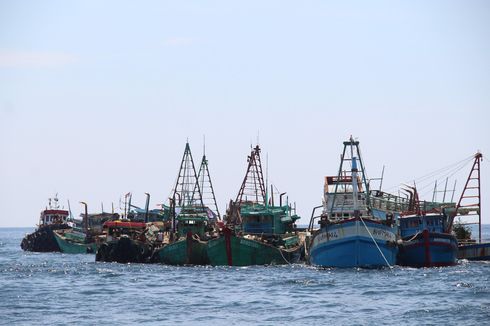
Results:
[379, 249]
[452, 169]
[280, 251]
[282, 255]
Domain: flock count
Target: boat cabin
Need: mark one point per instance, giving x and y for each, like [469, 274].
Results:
[53, 216]
[412, 224]
[114, 229]
[259, 219]
[339, 198]
[193, 219]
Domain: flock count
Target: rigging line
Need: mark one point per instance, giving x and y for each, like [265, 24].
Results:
[451, 171]
[445, 177]
[379, 249]
[431, 174]
[448, 175]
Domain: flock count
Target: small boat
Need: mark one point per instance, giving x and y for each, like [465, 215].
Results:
[257, 232]
[81, 238]
[350, 234]
[133, 239]
[123, 241]
[74, 241]
[425, 243]
[51, 219]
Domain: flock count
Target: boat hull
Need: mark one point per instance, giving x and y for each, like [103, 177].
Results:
[348, 244]
[123, 250]
[429, 249]
[72, 247]
[43, 240]
[477, 251]
[183, 252]
[231, 250]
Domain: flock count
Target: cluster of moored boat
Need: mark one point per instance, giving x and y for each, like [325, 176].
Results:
[357, 226]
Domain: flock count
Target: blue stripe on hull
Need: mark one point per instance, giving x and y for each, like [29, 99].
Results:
[353, 250]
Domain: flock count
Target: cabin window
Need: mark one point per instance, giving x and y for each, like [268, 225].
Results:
[346, 214]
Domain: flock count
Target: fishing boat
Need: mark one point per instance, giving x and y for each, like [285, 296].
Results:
[426, 239]
[189, 243]
[74, 241]
[425, 243]
[134, 238]
[193, 222]
[257, 232]
[351, 234]
[123, 241]
[42, 239]
[80, 239]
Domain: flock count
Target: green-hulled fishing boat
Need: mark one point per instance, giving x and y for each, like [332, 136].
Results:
[193, 222]
[257, 232]
[73, 241]
[81, 238]
[192, 225]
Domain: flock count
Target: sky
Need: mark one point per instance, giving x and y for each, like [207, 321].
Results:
[98, 98]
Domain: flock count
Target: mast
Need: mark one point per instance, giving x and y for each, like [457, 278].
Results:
[147, 205]
[355, 153]
[85, 217]
[470, 200]
[206, 186]
[187, 189]
[253, 182]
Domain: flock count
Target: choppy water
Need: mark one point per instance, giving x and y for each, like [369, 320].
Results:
[59, 289]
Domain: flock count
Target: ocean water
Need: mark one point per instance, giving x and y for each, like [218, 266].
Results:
[59, 289]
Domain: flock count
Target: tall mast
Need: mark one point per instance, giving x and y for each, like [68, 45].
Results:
[206, 186]
[355, 157]
[187, 190]
[253, 188]
[470, 199]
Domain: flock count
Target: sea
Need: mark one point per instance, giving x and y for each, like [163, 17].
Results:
[61, 289]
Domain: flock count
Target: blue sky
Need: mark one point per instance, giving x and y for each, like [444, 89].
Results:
[98, 99]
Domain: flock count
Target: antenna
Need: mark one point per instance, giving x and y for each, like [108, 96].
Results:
[69, 210]
[267, 195]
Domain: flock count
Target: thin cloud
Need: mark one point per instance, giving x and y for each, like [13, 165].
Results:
[34, 59]
[179, 41]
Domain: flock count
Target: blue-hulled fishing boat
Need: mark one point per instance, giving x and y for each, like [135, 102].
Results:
[350, 234]
[425, 241]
